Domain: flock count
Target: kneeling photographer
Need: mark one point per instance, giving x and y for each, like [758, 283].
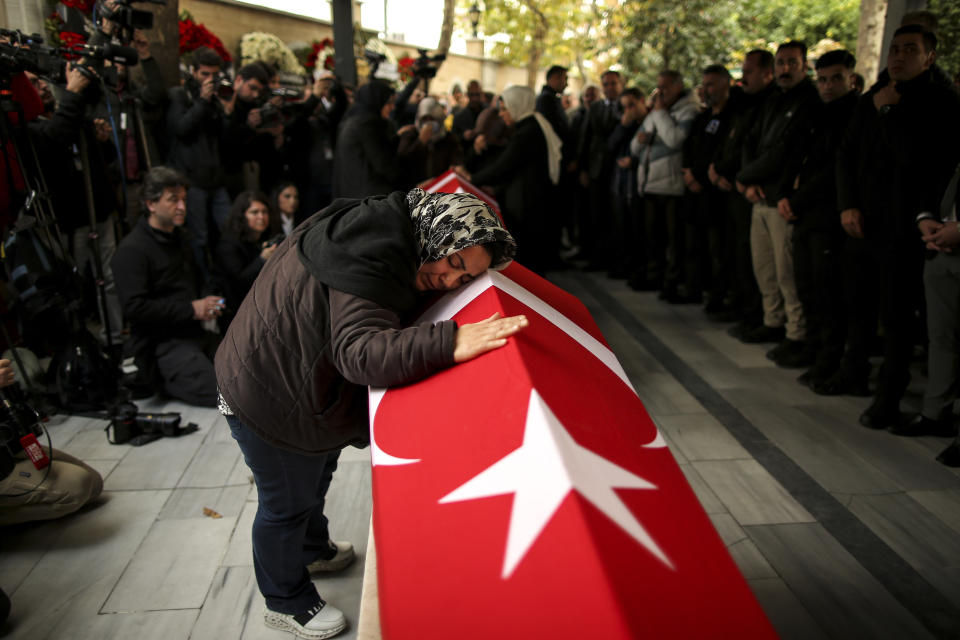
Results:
[36, 483]
[160, 289]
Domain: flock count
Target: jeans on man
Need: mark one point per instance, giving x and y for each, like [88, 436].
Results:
[201, 204]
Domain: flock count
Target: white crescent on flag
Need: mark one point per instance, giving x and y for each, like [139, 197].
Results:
[449, 305]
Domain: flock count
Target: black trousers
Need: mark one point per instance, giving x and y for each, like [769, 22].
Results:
[663, 228]
[746, 290]
[883, 277]
[186, 369]
[817, 265]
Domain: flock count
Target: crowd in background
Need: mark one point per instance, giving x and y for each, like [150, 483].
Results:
[784, 202]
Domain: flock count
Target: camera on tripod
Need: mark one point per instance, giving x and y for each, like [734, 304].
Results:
[127, 18]
[128, 425]
[425, 66]
[29, 53]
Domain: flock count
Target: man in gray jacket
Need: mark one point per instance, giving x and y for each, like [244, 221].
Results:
[659, 145]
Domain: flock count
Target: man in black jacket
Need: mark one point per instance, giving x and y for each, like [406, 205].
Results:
[810, 203]
[755, 89]
[769, 145]
[894, 163]
[159, 287]
[596, 167]
[549, 104]
[195, 125]
[709, 231]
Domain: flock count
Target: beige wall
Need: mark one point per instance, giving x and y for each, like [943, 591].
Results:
[230, 20]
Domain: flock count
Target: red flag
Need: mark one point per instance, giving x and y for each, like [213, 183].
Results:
[450, 182]
[527, 494]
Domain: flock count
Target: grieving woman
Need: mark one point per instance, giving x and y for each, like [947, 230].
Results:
[524, 175]
[244, 247]
[327, 317]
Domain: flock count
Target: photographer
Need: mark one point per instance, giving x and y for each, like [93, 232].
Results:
[245, 128]
[245, 246]
[28, 494]
[160, 288]
[127, 106]
[195, 124]
[427, 149]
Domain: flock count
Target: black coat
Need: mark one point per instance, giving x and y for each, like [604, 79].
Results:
[194, 127]
[775, 137]
[550, 105]
[366, 158]
[707, 134]
[813, 170]
[595, 157]
[156, 280]
[236, 264]
[745, 107]
[894, 165]
[522, 179]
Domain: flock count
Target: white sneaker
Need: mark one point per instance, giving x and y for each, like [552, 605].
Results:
[340, 560]
[322, 621]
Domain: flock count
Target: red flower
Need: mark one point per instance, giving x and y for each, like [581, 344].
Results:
[194, 35]
[328, 62]
[83, 5]
[315, 50]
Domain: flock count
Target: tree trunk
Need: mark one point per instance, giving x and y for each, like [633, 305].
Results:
[873, 15]
[538, 43]
[446, 29]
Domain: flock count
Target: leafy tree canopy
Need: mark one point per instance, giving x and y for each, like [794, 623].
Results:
[642, 37]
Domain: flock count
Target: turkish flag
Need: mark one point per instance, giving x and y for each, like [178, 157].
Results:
[526, 493]
[450, 182]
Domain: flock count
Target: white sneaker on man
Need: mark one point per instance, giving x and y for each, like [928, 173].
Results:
[322, 621]
[342, 558]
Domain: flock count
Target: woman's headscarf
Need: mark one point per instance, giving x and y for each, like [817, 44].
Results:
[520, 102]
[445, 223]
[371, 97]
[429, 107]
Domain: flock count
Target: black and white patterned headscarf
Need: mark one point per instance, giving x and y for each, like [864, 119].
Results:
[445, 223]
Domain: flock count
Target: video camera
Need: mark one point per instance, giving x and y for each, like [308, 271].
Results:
[224, 86]
[127, 425]
[29, 53]
[127, 18]
[425, 66]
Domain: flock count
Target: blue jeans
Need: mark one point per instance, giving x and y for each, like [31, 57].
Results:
[289, 530]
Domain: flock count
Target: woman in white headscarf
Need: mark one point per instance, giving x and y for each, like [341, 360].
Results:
[427, 150]
[524, 175]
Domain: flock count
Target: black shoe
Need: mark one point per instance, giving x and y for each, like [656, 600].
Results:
[921, 425]
[951, 455]
[881, 415]
[808, 378]
[741, 329]
[763, 333]
[794, 354]
[839, 384]
[642, 284]
[725, 315]
[774, 353]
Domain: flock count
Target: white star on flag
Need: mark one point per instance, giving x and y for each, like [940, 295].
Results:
[547, 466]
